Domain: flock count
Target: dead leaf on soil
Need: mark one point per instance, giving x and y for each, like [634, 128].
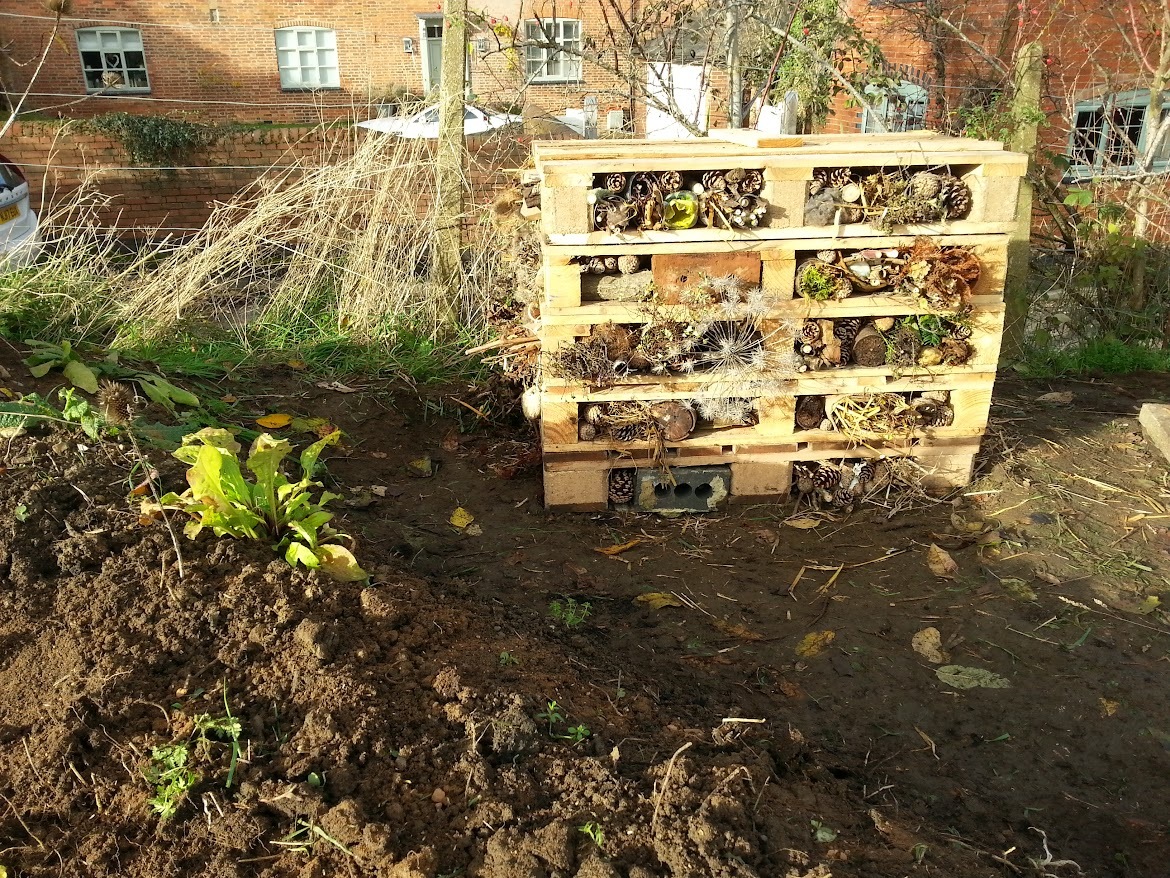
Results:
[1018, 589]
[928, 644]
[736, 630]
[804, 522]
[940, 563]
[423, 468]
[461, 518]
[926, 739]
[962, 525]
[619, 547]
[962, 677]
[338, 386]
[274, 421]
[297, 365]
[473, 530]
[814, 643]
[316, 426]
[450, 442]
[656, 600]
[1109, 708]
[790, 689]
[379, 455]
[1149, 605]
[229, 398]
[1057, 398]
[1045, 576]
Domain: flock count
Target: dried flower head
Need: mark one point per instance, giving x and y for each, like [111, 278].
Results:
[117, 402]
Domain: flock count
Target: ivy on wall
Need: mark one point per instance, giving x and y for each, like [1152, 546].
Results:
[155, 140]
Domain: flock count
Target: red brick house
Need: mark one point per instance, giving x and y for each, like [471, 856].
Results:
[290, 61]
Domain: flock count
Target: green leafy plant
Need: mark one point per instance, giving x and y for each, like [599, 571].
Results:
[154, 140]
[71, 410]
[226, 726]
[21, 513]
[271, 508]
[44, 357]
[569, 612]
[508, 660]
[595, 832]
[822, 833]
[577, 733]
[815, 285]
[552, 715]
[171, 778]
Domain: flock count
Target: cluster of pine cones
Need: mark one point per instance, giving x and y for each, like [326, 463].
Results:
[840, 485]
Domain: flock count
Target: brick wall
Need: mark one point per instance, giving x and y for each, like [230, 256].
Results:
[59, 158]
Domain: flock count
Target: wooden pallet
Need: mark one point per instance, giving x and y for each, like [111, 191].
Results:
[580, 482]
[568, 172]
[566, 288]
[970, 397]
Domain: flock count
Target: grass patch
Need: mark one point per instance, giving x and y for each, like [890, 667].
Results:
[1109, 356]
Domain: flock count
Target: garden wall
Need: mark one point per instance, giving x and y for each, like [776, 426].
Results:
[59, 158]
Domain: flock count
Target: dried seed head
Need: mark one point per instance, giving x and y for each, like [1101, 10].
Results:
[116, 402]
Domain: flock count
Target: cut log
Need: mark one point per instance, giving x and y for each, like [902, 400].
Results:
[869, 348]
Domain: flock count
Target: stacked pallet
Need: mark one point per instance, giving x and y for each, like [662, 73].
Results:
[796, 273]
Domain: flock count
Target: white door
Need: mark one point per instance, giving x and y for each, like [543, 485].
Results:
[674, 91]
[431, 34]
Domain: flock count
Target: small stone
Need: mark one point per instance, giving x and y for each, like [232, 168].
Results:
[438, 796]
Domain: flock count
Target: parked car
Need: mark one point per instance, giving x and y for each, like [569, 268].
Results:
[425, 123]
[20, 240]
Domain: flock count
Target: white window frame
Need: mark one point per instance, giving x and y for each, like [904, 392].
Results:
[112, 43]
[542, 63]
[901, 108]
[314, 48]
[1138, 99]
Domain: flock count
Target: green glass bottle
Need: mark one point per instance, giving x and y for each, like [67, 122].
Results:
[681, 210]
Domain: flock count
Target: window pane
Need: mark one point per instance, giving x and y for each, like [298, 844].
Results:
[1087, 136]
[329, 77]
[93, 79]
[110, 40]
[91, 60]
[87, 40]
[1162, 150]
[284, 39]
[291, 78]
[131, 39]
[137, 79]
[531, 30]
[1125, 127]
[134, 59]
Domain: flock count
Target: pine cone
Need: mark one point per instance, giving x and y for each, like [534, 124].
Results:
[821, 175]
[811, 331]
[621, 486]
[826, 477]
[864, 472]
[670, 181]
[925, 185]
[642, 185]
[840, 177]
[802, 475]
[955, 198]
[753, 182]
[714, 181]
[829, 256]
[842, 497]
[611, 263]
[846, 329]
[616, 182]
[626, 432]
[596, 265]
[961, 331]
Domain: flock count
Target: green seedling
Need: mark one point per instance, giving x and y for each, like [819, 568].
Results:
[171, 778]
[918, 852]
[44, 357]
[569, 612]
[271, 508]
[595, 832]
[305, 834]
[226, 726]
[507, 660]
[822, 833]
[552, 715]
[21, 513]
[577, 733]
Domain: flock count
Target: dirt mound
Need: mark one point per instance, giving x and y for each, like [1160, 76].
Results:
[380, 731]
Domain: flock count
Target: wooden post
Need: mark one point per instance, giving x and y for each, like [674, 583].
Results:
[450, 161]
[1027, 76]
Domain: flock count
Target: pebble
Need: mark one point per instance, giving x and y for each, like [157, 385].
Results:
[438, 796]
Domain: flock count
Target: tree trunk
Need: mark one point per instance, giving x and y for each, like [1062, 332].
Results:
[450, 161]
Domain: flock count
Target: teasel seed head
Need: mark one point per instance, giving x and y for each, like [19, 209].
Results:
[117, 402]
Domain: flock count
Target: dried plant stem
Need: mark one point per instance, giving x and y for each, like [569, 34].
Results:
[145, 464]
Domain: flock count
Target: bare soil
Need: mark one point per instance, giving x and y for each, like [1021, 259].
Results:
[760, 729]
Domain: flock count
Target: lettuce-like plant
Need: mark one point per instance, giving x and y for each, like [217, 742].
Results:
[271, 508]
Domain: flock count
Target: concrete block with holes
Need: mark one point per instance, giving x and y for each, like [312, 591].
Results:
[694, 489]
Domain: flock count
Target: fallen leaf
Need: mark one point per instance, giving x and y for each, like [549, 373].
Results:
[804, 523]
[991, 538]
[1058, 398]
[814, 643]
[619, 547]
[423, 468]
[656, 600]
[338, 386]
[962, 677]
[790, 689]
[1108, 708]
[359, 500]
[229, 398]
[299, 365]
[926, 739]
[274, 422]
[317, 426]
[1045, 576]
[339, 563]
[1149, 605]
[1018, 589]
[378, 490]
[473, 530]
[928, 644]
[450, 442]
[964, 526]
[379, 455]
[461, 517]
[940, 563]
[736, 630]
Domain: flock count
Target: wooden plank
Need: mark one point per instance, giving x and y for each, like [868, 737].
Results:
[685, 241]
[676, 273]
[562, 283]
[558, 423]
[755, 139]
[943, 472]
[760, 481]
[972, 408]
[577, 490]
[869, 306]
